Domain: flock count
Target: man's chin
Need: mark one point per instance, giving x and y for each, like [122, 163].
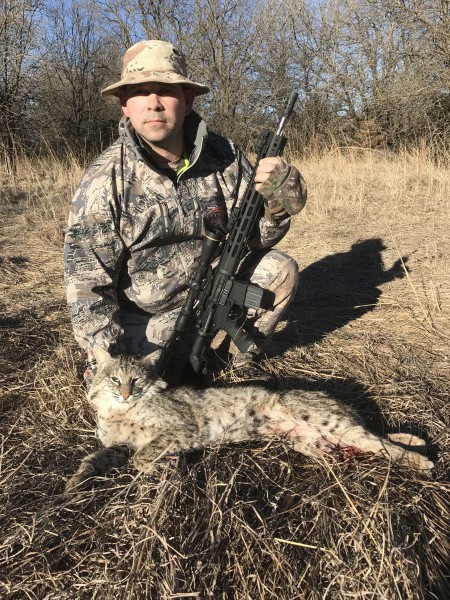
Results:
[154, 137]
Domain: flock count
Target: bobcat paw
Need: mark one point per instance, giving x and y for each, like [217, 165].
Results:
[98, 464]
[417, 461]
[79, 481]
[406, 439]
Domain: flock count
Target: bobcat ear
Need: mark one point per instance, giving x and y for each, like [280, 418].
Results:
[148, 362]
[161, 384]
[101, 355]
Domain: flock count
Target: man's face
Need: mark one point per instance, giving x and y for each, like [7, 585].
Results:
[157, 112]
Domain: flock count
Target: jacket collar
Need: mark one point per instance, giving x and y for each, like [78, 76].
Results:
[195, 132]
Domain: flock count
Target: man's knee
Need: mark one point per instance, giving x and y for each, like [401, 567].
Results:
[289, 268]
[279, 269]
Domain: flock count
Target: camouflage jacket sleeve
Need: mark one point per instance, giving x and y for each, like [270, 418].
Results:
[269, 231]
[93, 253]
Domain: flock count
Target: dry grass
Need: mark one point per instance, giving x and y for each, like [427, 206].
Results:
[370, 323]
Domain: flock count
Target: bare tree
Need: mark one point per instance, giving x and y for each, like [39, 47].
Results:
[146, 19]
[368, 71]
[19, 23]
[425, 110]
[78, 65]
[373, 61]
[224, 45]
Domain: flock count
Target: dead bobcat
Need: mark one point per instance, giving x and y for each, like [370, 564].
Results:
[136, 411]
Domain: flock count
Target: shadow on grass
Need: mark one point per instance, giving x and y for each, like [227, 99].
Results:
[336, 290]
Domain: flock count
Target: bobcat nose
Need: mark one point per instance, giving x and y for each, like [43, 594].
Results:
[125, 393]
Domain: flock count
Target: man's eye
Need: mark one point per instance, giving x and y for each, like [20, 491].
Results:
[138, 92]
[167, 92]
[143, 91]
[115, 380]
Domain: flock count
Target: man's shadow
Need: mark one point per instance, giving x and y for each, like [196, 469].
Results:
[334, 291]
[331, 293]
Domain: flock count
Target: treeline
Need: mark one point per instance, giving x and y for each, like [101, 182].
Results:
[370, 73]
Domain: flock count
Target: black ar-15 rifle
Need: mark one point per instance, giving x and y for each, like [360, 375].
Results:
[216, 298]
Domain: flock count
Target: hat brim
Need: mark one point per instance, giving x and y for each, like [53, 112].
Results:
[172, 78]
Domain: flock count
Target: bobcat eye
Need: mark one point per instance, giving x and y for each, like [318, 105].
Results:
[115, 380]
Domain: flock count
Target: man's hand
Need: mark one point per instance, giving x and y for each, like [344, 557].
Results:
[265, 169]
[282, 186]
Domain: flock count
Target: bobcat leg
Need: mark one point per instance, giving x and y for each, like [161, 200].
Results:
[406, 439]
[97, 464]
[145, 458]
[368, 442]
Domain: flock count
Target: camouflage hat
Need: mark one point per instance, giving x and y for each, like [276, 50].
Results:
[154, 60]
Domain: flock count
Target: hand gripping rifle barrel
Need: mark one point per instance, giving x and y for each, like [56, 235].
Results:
[220, 302]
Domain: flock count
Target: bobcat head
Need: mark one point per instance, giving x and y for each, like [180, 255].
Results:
[123, 378]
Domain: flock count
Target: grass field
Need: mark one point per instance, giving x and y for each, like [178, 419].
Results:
[370, 324]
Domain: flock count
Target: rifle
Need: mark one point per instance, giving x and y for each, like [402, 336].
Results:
[218, 299]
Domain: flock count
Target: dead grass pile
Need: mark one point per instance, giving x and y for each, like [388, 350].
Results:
[370, 324]
[232, 523]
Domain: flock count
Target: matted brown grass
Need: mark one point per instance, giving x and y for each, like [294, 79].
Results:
[370, 324]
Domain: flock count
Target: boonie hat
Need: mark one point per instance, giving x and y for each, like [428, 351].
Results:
[154, 60]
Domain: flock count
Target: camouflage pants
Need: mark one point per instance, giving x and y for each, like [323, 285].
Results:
[272, 270]
[148, 334]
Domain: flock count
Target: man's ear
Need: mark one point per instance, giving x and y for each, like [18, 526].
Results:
[121, 94]
[123, 106]
[189, 97]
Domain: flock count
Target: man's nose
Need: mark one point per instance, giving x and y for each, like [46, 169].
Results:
[154, 102]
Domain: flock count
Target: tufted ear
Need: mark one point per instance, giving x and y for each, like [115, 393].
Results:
[160, 385]
[149, 363]
[101, 355]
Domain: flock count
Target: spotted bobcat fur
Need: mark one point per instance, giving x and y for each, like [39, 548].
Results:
[137, 413]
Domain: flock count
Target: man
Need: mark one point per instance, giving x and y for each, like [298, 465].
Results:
[139, 215]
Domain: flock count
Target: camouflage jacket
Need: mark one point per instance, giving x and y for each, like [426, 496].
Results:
[135, 233]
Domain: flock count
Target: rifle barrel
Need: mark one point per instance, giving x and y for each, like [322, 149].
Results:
[287, 112]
